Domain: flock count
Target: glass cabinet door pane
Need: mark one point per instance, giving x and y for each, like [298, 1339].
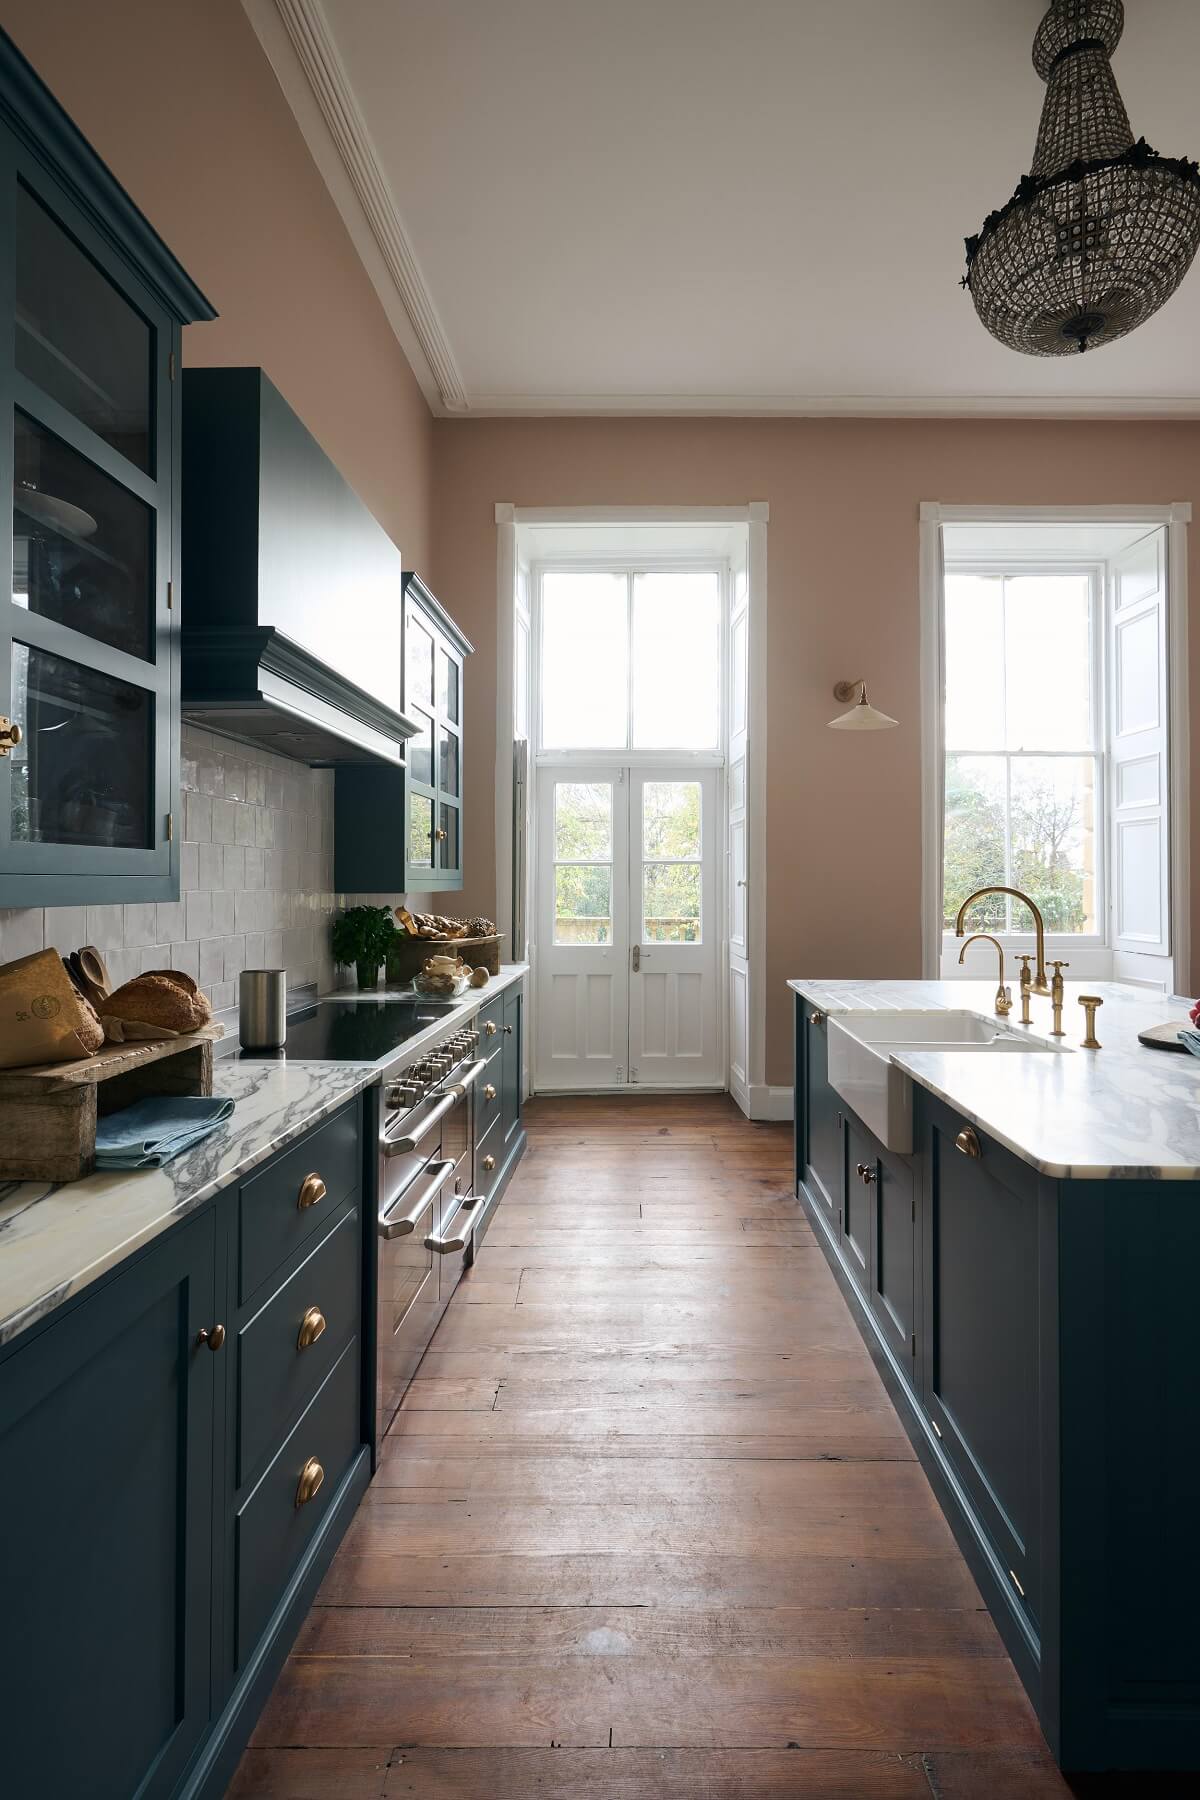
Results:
[82, 773]
[448, 761]
[420, 832]
[83, 550]
[418, 660]
[419, 750]
[78, 338]
[448, 838]
[447, 686]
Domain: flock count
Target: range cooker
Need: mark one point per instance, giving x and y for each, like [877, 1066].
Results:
[422, 1117]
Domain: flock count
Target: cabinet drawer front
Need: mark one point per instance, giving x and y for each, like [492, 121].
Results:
[489, 1148]
[489, 1096]
[286, 1350]
[489, 1025]
[277, 1210]
[273, 1529]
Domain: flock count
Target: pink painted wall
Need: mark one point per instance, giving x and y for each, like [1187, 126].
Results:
[180, 100]
[843, 811]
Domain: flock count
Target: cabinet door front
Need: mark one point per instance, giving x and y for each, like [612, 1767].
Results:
[106, 1437]
[861, 1180]
[824, 1134]
[86, 645]
[894, 1263]
[510, 1066]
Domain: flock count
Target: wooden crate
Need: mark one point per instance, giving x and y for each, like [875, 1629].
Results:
[48, 1113]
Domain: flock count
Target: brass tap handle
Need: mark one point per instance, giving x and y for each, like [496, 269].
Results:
[1089, 1003]
[1056, 997]
[1003, 1001]
[1026, 989]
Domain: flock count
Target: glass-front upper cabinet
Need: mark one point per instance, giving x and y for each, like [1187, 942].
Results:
[434, 653]
[91, 306]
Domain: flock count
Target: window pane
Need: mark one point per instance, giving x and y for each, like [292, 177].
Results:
[1054, 840]
[671, 903]
[676, 660]
[1048, 660]
[82, 772]
[974, 852]
[583, 903]
[584, 661]
[448, 761]
[418, 750]
[78, 338]
[447, 680]
[583, 819]
[671, 818]
[418, 662]
[448, 842]
[975, 663]
[82, 544]
[420, 831]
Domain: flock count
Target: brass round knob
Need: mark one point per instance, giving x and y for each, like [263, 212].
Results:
[816, 1018]
[312, 1192]
[10, 735]
[862, 1169]
[440, 835]
[508, 1031]
[213, 1336]
[489, 1163]
[489, 1092]
[490, 1028]
[311, 1327]
[311, 1477]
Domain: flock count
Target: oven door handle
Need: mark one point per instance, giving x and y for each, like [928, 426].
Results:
[460, 1237]
[403, 1146]
[392, 1225]
[470, 1076]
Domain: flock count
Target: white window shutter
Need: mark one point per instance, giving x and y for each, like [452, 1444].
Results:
[1139, 843]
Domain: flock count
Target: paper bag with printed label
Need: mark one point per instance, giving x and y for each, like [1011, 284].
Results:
[42, 1017]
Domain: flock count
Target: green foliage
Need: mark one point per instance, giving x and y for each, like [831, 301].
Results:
[362, 934]
[1044, 826]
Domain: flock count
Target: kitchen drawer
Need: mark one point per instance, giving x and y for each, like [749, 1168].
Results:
[489, 1025]
[489, 1096]
[489, 1147]
[274, 1527]
[277, 1375]
[277, 1209]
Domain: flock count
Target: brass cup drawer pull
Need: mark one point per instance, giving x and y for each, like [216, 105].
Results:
[311, 1477]
[311, 1327]
[213, 1336]
[968, 1142]
[312, 1192]
[489, 1163]
[489, 1092]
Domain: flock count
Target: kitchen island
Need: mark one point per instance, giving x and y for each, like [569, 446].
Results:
[1024, 1277]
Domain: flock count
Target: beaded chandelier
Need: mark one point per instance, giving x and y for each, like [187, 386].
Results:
[1102, 230]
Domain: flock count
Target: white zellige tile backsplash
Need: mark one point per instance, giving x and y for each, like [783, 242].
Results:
[256, 885]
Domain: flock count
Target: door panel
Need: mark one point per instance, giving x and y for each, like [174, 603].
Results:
[673, 997]
[1137, 660]
[861, 1180]
[893, 1270]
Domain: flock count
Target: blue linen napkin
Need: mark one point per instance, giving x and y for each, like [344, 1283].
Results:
[150, 1132]
[1190, 1040]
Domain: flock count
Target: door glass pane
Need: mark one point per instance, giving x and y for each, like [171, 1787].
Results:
[83, 545]
[420, 831]
[418, 662]
[584, 661]
[671, 819]
[583, 819]
[419, 750]
[975, 662]
[447, 761]
[447, 686]
[974, 851]
[83, 771]
[677, 659]
[78, 338]
[1048, 663]
[448, 857]
[1054, 840]
[583, 903]
[671, 903]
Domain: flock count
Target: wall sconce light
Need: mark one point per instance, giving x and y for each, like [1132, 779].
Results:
[862, 716]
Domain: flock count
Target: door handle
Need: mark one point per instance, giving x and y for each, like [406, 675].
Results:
[394, 1225]
[636, 958]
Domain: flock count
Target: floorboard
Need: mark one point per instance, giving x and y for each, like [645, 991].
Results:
[646, 1527]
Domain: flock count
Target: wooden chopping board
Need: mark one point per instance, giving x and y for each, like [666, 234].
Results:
[1165, 1037]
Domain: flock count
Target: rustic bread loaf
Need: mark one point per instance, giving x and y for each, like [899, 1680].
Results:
[160, 1003]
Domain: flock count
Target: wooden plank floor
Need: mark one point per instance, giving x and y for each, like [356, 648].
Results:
[647, 1527]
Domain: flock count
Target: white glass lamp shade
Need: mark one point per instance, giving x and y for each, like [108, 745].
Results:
[862, 716]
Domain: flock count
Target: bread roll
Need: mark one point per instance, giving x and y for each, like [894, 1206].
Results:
[160, 1003]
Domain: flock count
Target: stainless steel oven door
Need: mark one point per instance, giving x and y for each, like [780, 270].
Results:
[460, 1207]
[409, 1284]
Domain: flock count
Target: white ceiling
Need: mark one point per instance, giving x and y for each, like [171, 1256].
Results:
[695, 205]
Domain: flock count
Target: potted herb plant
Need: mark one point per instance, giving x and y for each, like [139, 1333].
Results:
[361, 936]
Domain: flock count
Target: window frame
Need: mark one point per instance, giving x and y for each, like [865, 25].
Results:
[1009, 566]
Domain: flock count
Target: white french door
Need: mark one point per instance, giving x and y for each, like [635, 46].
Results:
[628, 928]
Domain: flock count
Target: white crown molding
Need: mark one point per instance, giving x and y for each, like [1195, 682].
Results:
[835, 406]
[362, 194]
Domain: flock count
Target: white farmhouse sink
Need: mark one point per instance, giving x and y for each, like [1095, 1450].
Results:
[861, 1046]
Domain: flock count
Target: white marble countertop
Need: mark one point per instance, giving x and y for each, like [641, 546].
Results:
[56, 1239]
[1123, 1112]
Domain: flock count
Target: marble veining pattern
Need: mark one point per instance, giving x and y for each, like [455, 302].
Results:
[1123, 1112]
[56, 1239]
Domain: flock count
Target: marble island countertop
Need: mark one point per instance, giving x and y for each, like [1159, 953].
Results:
[1124, 1112]
[57, 1239]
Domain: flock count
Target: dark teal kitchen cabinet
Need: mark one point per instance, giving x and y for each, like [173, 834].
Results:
[91, 310]
[183, 1446]
[1036, 1336]
[106, 1436]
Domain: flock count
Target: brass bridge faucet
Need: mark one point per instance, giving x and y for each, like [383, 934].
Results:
[1003, 994]
[1039, 984]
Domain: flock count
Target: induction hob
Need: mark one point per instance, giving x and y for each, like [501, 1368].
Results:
[350, 1030]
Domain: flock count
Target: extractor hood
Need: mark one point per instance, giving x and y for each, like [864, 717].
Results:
[292, 601]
